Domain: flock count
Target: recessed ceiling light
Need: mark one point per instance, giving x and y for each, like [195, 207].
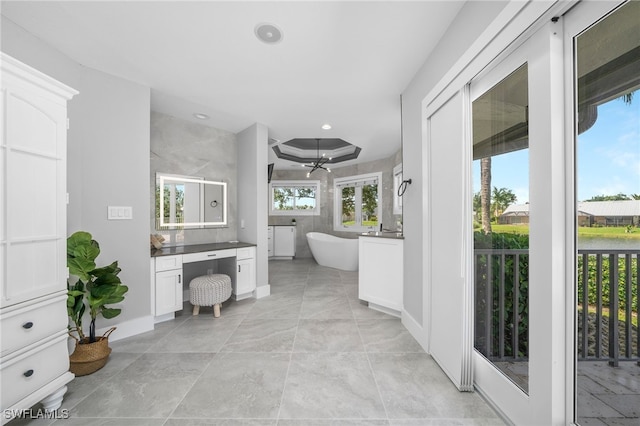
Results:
[201, 116]
[268, 33]
[326, 126]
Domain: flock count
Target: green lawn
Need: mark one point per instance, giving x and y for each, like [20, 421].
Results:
[583, 232]
[364, 223]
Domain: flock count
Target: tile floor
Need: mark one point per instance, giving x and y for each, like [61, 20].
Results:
[310, 354]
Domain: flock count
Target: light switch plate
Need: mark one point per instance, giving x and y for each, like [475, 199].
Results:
[119, 213]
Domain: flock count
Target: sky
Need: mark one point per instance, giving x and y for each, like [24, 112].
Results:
[608, 157]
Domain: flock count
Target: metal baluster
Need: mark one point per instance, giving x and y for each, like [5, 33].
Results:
[628, 331]
[501, 307]
[489, 311]
[516, 306]
[585, 305]
[598, 305]
[614, 342]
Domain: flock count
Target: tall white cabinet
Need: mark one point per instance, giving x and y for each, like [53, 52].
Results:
[34, 358]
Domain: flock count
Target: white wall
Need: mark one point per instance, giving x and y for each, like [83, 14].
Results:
[472, 19]
[252, 197]
[108, 164]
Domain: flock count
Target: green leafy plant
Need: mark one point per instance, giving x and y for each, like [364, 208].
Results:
[97, 287]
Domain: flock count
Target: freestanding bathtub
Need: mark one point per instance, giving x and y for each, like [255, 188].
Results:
[334, 252]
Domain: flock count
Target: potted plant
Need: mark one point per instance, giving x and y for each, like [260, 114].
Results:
[95, 288]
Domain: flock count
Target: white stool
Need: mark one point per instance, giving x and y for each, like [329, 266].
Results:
[209, 290]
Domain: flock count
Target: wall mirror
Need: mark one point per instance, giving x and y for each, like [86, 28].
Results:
[189, 202]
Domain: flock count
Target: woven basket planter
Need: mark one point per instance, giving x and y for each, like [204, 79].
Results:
[87, 357]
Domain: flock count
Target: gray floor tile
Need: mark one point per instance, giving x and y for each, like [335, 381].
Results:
[279, 305]
[333, 422]
[409, 383]
[262, 335]
[201, 334]
[237, 385]
[333, 307]
[85, 421]
[333, 335]
[331, 385]
[221, 422]
[151, 387]
[387, 335]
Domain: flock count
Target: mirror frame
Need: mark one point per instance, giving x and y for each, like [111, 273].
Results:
[162, 178]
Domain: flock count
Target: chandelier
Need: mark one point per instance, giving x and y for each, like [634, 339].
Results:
[320, 161]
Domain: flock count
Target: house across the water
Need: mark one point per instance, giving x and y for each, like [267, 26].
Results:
[590, 213]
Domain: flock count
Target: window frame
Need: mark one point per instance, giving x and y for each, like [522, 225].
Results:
[337, 204]
[315, 184]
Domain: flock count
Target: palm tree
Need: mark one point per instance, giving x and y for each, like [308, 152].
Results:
[502, 198]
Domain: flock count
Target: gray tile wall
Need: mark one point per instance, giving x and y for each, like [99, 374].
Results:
[184, 148]
[324, 222]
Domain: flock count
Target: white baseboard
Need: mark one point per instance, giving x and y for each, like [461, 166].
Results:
[129, 328]
[384, 309]
[262, 291]
[415, 329]
[165, 317]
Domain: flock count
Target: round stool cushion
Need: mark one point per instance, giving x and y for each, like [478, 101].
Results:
[209, 290]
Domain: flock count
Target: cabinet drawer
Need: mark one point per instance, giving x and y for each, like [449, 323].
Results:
[29, 372]
[246, 253]
[165, 263]
[24, 326]
[208, 255]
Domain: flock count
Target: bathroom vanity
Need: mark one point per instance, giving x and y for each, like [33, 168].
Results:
[172, 268]
[380, 272]
[282, 241]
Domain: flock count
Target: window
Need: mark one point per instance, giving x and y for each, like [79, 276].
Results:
[356, 203]
[300, 198]
[397, 182]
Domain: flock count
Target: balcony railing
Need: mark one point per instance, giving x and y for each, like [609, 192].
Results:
[607, 327]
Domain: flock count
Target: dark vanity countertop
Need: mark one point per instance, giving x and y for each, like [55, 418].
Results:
[197, 248]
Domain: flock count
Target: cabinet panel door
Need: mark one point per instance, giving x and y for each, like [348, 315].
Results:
[168, 291]
[245, 276]
[284, 241]
[34, 197]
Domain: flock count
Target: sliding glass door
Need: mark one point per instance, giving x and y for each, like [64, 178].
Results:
[605, 81]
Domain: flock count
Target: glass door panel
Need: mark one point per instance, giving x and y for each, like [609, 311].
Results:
[500, 129]
[607, 82]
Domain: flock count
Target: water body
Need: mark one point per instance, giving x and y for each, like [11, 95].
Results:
[608, 243]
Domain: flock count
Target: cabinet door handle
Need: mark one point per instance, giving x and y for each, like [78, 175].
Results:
[211, 255]
[239, 268]
[179, 279]
[28, 373]
[27, 325]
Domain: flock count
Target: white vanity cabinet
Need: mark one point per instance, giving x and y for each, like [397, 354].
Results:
[245, 273]
[380, 273]
[284, 241]
[168, 284]
[173, 267]
[34, 357]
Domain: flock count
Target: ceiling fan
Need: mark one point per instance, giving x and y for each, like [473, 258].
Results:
[320, 161]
